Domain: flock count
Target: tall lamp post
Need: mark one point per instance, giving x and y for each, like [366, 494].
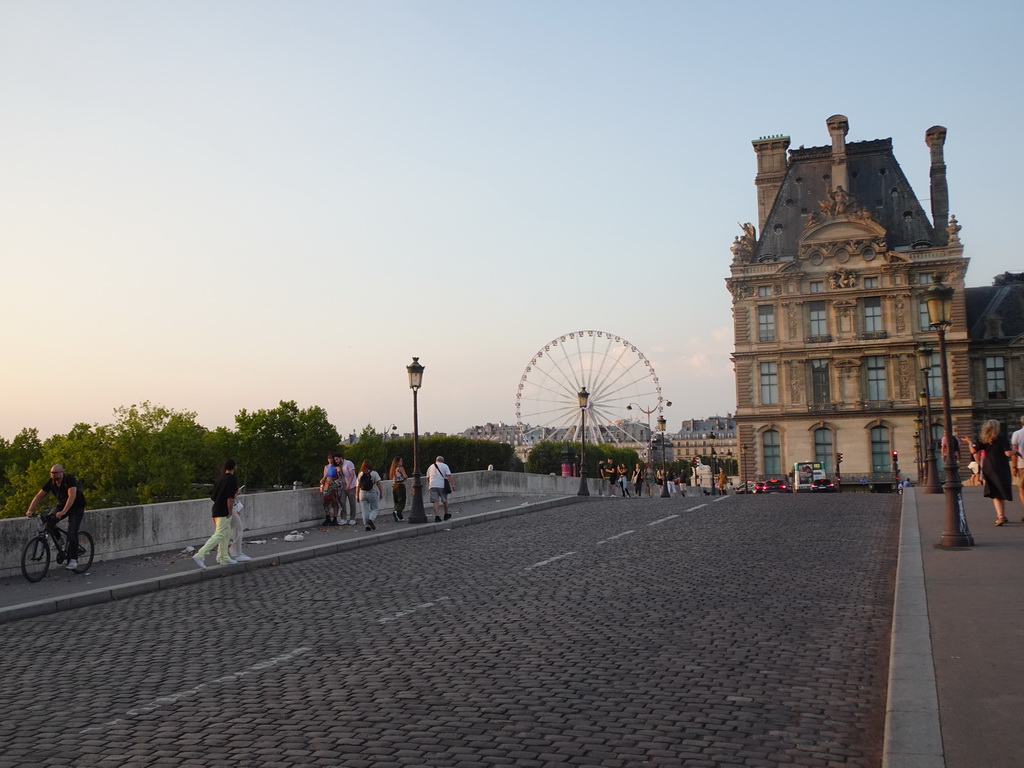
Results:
[939, 298]
[647, 413]
[415, 382]
[662, 424]
[584, 397]
[924, 354]
[918, 450]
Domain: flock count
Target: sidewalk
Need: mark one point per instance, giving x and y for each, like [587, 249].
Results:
[110, 580]
[957, 671]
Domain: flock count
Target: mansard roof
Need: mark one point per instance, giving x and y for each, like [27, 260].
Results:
[876, 183]
[995, 313]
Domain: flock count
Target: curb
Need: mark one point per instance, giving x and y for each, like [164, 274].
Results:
[913, 734]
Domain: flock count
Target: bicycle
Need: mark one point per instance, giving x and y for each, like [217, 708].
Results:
[35, 557]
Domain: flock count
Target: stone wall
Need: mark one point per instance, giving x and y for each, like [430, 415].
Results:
[128, 531]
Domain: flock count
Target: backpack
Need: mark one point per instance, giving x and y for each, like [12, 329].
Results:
[366, 482]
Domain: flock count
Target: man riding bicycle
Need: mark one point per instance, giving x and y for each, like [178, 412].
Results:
[70, 504]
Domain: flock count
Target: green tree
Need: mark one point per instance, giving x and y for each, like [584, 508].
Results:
[280, 445]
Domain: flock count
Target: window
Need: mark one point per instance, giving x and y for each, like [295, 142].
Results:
[817, 325]
[766, 323]
[872, 314]
[817, 286]
[924, 279]
[881, 459]
[876, 378]
[823, 449]
[922, 314]
[819, 382]
[772, 451]
[769, 384]
[870, 282]
[764, 291]
[934, 372]
[995, 378]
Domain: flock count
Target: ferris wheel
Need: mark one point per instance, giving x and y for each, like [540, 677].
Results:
[613, 371]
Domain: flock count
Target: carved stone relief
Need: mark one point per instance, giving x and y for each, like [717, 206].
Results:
[843, 278]
[900, 305]
[906, 373]
[796, 380]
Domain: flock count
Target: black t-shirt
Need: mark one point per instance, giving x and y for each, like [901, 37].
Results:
[224, 489]
[67, 482]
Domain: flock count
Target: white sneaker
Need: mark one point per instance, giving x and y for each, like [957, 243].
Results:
[351, 522]
[229, 561]
[199, 561]
[242, 558]
[72, 564]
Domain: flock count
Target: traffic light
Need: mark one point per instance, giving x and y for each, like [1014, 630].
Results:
[895, 456]
[839, 458]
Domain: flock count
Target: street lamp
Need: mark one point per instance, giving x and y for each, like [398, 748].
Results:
[939, 298]
[648, 413]
[918, 449]
[714, 473]
[415, 382]
[924, 354]
[664, 474]
[584, 397]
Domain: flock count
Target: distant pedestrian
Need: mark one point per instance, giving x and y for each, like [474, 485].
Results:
[602, 472]
[612, 476]
[370, 492]
[670, 482]
[440, 480]
[623, 474]
[330, 485]
[347, 489]
[1017, 444]
[992, 451]
[638, 479]
[223, 497]
[398, 476]
[649, 480]
[70, 504]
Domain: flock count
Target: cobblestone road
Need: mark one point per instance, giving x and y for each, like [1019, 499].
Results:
[623, 632]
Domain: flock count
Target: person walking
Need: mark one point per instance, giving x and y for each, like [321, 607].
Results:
[398, 476]
[992, 451]
[624, 480]
[223, 497]
[347, 488]
[440, 482]
[237, 530]
[1017, 461]
[70, 504]
[330, 485]
[370, 492]
[638, 479]
[649, 479]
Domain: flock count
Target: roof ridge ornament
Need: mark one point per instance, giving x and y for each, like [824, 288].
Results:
[743, 245]
[953, 230]
[839, 204]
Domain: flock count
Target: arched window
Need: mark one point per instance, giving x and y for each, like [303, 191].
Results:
[881, 459]
[772, 452]
[824, 449]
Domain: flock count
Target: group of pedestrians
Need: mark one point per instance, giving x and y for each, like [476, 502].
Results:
[643, 478]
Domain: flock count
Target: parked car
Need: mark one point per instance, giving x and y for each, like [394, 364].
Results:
[772, 486]
[823, 486]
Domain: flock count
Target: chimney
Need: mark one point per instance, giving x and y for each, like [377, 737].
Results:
[838, 127]
[771, 170]
[935, 138]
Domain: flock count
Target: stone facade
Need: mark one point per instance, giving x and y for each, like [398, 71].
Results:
[828, 308]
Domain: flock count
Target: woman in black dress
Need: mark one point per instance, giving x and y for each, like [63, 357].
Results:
[992, 450]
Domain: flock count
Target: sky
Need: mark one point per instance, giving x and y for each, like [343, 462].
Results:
[214, 205]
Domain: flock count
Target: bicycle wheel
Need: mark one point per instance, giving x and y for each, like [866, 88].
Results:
[85, 551]
[35, 558]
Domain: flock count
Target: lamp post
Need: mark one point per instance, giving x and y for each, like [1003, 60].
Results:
[931, 471]
[647, 413]
[714, 465]
[664, 473]
[918, 450]
[415, 382]
[939, 298]
[584, 397]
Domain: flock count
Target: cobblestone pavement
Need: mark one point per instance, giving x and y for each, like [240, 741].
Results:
[743, 631]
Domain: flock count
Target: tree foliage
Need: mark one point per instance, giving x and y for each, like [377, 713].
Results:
[546, 457]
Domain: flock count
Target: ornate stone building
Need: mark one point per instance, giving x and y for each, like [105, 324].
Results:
[828, 310]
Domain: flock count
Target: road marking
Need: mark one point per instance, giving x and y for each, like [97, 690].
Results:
[174, 697]
[549, 560]
[694, 509]
[663, 520]
[420, 607]
[616, 536]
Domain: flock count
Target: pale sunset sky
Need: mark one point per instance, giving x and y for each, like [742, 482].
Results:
[220, 204]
